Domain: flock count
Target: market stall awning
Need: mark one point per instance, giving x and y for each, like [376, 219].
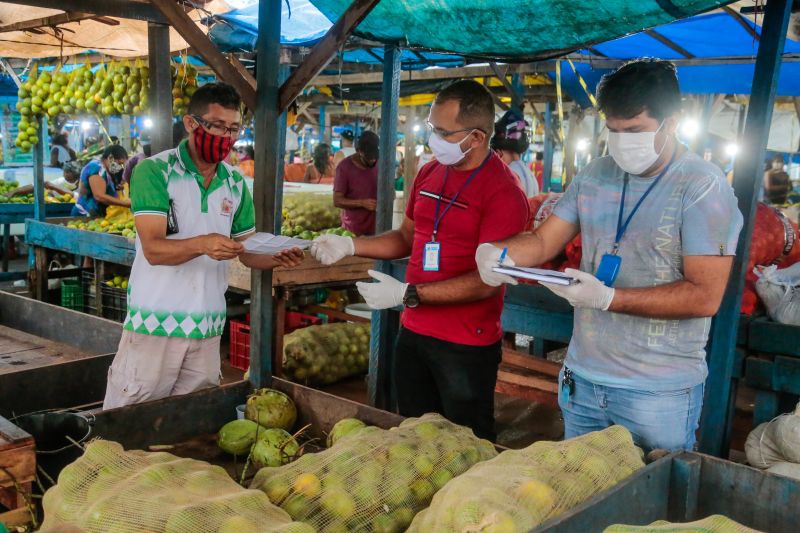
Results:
[111, 36]
[714, 53]
[507, 29]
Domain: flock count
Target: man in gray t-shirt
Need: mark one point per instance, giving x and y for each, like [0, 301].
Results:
[659, 227]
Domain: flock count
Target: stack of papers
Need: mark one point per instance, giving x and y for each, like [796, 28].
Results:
[536, 274]
[269, 244]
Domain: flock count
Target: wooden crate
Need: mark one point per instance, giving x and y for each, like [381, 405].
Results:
[309, 272]
[17, 473]
[529, 377]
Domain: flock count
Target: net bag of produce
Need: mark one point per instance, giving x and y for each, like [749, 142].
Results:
[776, 441]
[711, 524]
[109, 490]
[374, 480]
[520, 489]
[307, 211]
[780, 292]
[326, 353]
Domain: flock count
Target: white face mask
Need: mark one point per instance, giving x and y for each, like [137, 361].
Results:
[115, 168]
[634, 152]
[445, 152]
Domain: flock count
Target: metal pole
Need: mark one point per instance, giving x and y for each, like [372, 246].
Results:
[548, 146]
[268, 156]
[160, 86]
[38, 171]
[379, 383]
[322, 125]
[716, 418]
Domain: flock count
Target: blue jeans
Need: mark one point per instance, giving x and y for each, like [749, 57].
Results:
[663, 419]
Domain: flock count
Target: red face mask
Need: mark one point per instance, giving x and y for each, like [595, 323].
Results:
[212, 148]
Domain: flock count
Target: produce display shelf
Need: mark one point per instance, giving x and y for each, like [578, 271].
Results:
[684, 487]
[18, 214]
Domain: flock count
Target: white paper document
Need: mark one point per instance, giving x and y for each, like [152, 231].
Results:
[269, 244]
[536, 274]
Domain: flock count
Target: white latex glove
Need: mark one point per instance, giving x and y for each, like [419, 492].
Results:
[589, 293]
[329, 249]
[385, 294]
[487, 257]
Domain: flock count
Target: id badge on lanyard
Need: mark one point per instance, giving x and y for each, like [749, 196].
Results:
[611, 263]
[431, 260]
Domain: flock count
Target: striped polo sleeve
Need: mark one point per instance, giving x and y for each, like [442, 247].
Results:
[149, 194]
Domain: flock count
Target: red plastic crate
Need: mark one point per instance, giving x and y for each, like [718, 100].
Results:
[240, 344]
[240, 336]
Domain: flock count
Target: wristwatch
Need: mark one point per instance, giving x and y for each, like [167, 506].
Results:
[411, 298]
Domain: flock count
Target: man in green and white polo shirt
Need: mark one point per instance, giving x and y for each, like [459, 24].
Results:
[192, 212]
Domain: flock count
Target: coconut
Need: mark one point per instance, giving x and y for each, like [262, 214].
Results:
[342, 428]
[274, 447]
[271, 409]
[238, 437]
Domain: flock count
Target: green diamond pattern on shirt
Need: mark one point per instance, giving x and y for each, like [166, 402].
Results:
[175, 324]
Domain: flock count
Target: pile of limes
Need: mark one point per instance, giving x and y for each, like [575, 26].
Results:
[184, 85]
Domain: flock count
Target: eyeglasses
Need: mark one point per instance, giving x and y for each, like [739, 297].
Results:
[446, 133]
[216, 129]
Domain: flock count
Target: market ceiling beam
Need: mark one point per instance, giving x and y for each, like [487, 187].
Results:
[126, 9]
[516, 99]
[669, 43]
[55, 20]
[742, 22]
[323, 51]
[238, 76]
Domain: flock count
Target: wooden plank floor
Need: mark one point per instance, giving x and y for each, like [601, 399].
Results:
[19, 350]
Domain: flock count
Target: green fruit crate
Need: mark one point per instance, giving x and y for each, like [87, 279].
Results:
[72, 294]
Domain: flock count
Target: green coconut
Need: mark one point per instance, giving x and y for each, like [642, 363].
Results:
[238, 437]
[274, 447]
[271, 409]
[344, 427]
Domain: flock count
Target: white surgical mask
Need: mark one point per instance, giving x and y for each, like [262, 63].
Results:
[445, 152]
[634, 152]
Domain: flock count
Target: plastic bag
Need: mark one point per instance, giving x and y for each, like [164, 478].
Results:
[775, 441]
[711, 524]
[520, 489]
[780, 292]
[111, 490]
[373, 479]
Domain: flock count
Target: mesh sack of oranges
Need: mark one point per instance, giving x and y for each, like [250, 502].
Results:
[373, 479]
[110, 490]
[520, 489]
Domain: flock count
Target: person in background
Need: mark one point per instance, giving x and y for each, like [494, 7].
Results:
[247, 160]
[777, 184]
[65, 185]
[448, 349]
[538, 169]
[347, 148]
[98, 183]
[60, 152]
[320, 170]
[292, 141]
[510, 140]
[192, 214]
[178, 133]
[659, 227]
[355, 187]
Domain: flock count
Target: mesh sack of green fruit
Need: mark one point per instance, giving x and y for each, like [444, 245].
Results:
[374, 480]
[710, 524]
[109, 490]
[307, 211]
[520, 489]
[326, 353]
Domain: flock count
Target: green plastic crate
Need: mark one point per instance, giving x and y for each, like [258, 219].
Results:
[72, 294]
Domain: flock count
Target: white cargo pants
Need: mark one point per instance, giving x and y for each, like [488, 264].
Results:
[149, 367]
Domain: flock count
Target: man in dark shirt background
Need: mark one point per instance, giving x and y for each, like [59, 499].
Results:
[355, 188]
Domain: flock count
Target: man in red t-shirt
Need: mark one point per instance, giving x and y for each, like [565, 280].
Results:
[448, 349]
[355, 187]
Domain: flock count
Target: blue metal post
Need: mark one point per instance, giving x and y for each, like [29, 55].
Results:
[716, 418]
[548, 146]
[321, 124]
[283, 74]
[379, 383]
[268, 168]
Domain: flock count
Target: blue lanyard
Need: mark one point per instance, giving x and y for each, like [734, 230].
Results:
[621, 228]
[438, 219]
